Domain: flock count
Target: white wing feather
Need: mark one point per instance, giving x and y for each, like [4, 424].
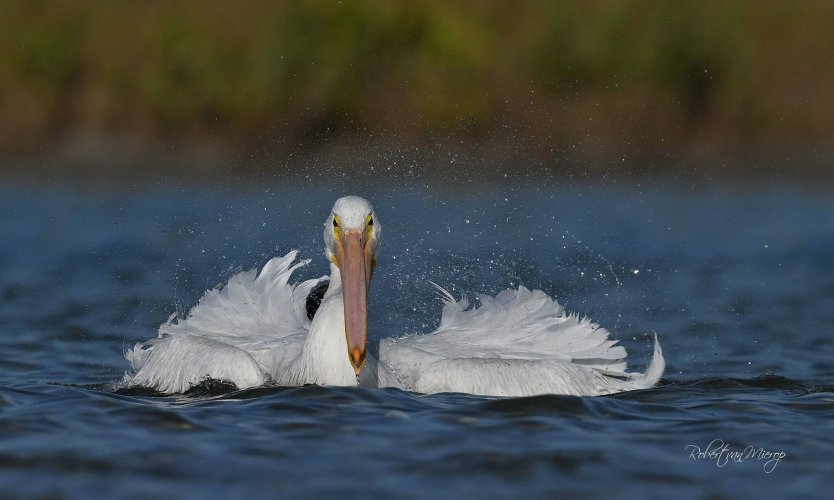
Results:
[243, 333]
[251, 305]
[519, 343]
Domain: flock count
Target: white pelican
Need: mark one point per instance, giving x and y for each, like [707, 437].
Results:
[259, 329]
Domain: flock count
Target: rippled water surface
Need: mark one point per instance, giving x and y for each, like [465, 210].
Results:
[737, 284]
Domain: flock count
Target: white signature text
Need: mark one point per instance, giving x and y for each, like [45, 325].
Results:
[721, 453]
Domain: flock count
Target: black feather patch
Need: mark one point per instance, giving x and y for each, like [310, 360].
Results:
[315, 298]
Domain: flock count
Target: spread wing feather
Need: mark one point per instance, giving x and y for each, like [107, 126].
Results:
[251, 305]
[520, 342]
[242, 333]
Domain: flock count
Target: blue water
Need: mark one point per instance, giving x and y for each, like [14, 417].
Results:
[737, 283]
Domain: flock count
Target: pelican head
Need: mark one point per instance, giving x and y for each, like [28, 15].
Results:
[351, 233]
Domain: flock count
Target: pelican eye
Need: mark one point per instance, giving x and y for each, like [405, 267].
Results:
[371, 221]
[335, 222]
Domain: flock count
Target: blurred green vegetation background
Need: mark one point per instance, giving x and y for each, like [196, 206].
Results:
[602, 87]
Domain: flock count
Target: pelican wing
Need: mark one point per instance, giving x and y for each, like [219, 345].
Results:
[243, 333]
[520, 342]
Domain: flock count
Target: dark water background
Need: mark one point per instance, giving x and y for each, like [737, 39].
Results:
[738, 283]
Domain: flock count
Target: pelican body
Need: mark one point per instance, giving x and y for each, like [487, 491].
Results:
[260, 329]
